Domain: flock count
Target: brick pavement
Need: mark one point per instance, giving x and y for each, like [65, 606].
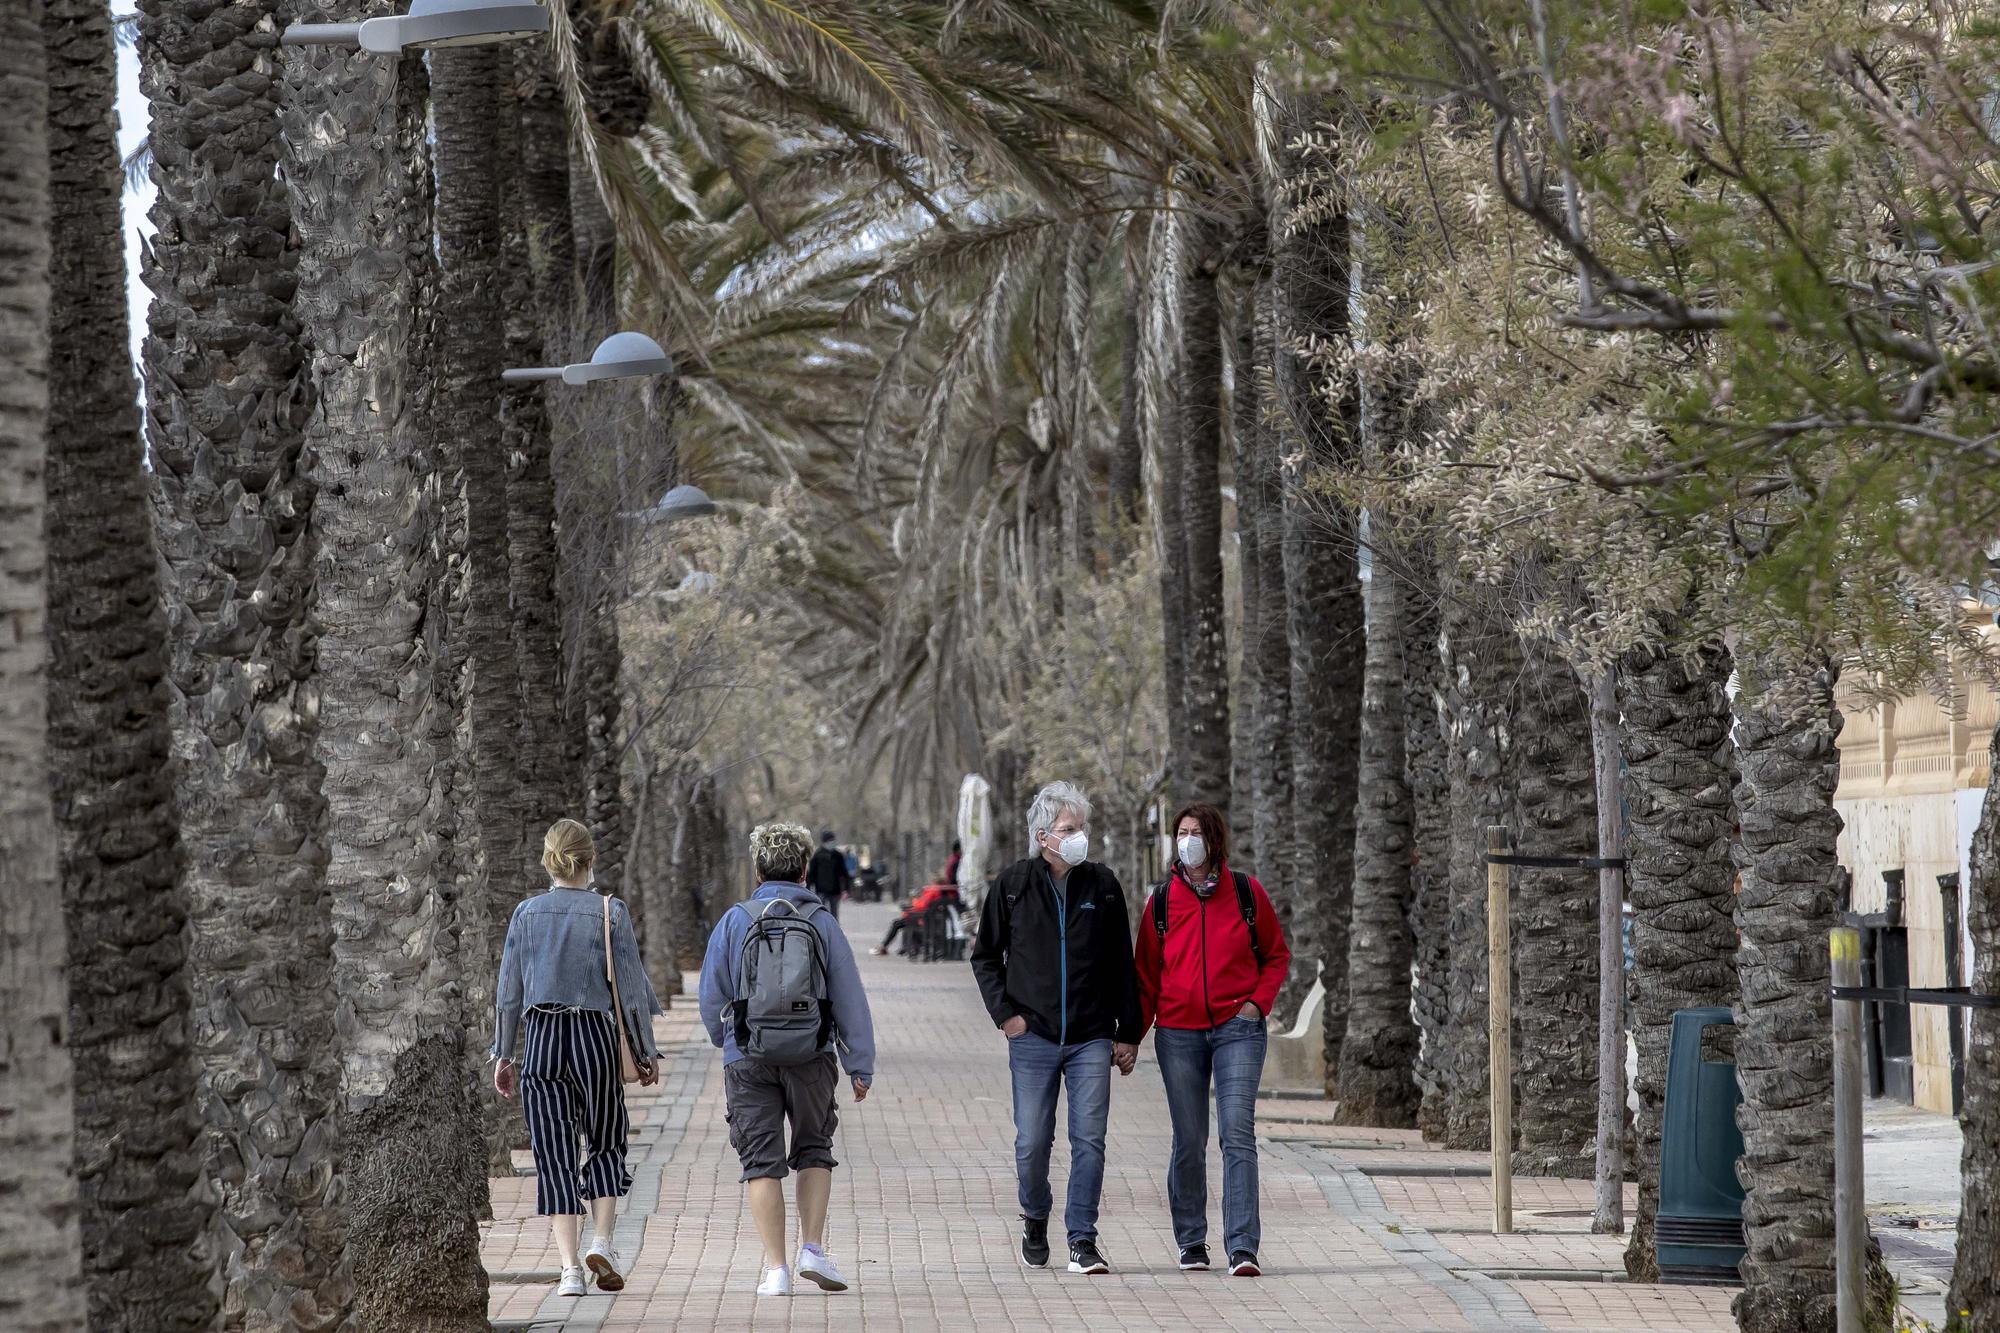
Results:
[923, 1216]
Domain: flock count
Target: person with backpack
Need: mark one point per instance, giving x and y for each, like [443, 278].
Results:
[571, 969]
[782, 998]
[1211, 958]
[1053, 957]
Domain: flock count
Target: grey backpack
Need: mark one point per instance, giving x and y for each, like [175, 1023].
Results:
[781, 1008]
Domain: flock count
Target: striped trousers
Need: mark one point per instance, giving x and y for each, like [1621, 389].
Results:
[569, 1086]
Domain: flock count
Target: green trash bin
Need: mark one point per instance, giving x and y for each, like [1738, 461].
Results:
[1699, 1231]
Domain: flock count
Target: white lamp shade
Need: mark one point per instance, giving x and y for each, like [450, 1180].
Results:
[621, 356]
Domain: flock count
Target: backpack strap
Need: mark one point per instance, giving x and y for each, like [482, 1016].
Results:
[1246, 903]
[1157, 904]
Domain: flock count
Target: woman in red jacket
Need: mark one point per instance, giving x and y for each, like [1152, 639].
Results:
[1211, 958]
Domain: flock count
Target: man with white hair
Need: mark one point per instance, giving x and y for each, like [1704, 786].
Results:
[1054, 961]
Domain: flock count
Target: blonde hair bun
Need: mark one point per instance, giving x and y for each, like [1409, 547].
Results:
[567, 850]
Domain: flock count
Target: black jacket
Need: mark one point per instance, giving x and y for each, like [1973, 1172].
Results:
[827, 873]
[1019, 954]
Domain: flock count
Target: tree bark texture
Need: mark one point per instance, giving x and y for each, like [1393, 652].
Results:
[1424, 768]
[226, 400]
[1483, 664]
[1269, 735]
[1128, 456]
[1249, 696]
[147, 1243]
[41, 1278]
[1787, 734]
[1975, 1278]
[1554, 922]
[1205, 773]
[356, 162]
[1322, 581]
[1679, 877]
[1377, 1080]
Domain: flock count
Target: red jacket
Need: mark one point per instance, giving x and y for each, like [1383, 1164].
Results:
[1208, 969]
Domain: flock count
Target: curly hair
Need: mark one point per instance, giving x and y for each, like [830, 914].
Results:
[781, 852]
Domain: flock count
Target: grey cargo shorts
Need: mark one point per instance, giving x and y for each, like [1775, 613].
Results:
[762, 1097]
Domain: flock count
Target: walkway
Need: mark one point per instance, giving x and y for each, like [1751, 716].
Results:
[1363, 1229]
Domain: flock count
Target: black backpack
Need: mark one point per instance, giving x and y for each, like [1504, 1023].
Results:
[1246, 903]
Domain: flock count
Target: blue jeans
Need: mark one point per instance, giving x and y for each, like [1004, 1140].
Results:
[1233, 1057]
[1040, 1067]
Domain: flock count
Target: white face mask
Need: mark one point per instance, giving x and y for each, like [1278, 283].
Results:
[1074, 849]
[1194, 852]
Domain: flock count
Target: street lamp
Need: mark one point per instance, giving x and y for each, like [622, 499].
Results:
[429, 25]
[621, 356]
[682, 501]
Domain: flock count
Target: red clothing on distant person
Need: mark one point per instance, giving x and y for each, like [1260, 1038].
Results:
[1208, 968]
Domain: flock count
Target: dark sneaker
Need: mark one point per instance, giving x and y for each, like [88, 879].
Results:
[1084, 1258]
[1244, 1264]
[1194, 1258]
[1035, 1242]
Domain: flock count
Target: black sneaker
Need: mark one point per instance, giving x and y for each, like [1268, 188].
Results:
[1084, 1258]
[1194, 1258]
[1244, 1264]
[1035, 1242]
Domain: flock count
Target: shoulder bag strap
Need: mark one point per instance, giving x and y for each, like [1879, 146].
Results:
[628, 1059]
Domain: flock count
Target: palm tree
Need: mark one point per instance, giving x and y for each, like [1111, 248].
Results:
[1376, 1082]
[144, 1221]
[1260, 492]
[1482, 662]
[1424, 768]
[1554, 923]
[226, 400]
[1975, 1286]
[1199, 529]
[414, 1148]
[39, 1291]
[1675, 736]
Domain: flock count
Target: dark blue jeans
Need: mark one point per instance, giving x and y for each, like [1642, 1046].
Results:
[1232, 1058]
[1040, 1067]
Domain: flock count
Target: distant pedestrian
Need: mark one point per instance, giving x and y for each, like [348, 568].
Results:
[553, 971]
[1211, 959]
[829, 875]
[780, 995]
[1053, 956]
[951, 863]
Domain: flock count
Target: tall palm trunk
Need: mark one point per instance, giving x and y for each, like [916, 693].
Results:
[1678, 780]
[226, 400]
[1482, 663]
[137, 1127]
[1128, 448]
[1424, 767]
[1205, 774]
[1249, 696]
[1554, 923]
[1322, 582]
[360, 199]
[1975, 1277]
[1268, 739]
[1787, 734]
[1376, 1082]
[41, 1278]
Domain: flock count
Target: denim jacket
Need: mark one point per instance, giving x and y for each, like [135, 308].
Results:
[555, 955]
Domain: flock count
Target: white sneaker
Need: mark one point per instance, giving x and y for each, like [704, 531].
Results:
[604, 1264]
[777, 1282]
[817, 1266]
[574, 1282]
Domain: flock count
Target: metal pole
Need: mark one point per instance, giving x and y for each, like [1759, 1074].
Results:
[1608, 1210]
[1499, 1032]
[1850, 1219]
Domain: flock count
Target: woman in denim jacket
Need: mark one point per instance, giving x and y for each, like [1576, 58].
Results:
[552, 972]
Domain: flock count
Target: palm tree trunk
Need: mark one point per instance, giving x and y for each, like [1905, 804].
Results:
[1975, 1277]
[1679, 876]
[1376, 1082]
[1128, 448]
[1205, 773]
[1554, 922]
[226, 401]
[1424, 767]
[1787, 733]
[1159, 375]
[1268, 651]
[1322, 584]
[1249, 696]
[360, 190]
[1482, 662]
[41, 1279]
[143, 1216]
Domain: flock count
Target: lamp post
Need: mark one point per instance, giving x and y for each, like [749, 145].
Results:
[683, 501]
[621, 356]
[429, 25]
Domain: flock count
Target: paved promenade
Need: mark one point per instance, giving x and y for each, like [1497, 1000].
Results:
[1363, 1230]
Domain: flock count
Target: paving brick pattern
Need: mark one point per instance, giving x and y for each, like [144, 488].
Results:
[923, 1216]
